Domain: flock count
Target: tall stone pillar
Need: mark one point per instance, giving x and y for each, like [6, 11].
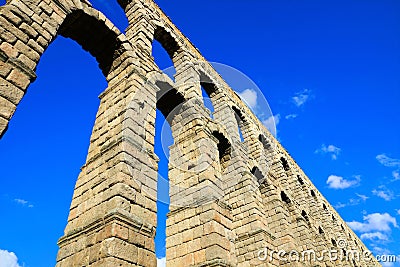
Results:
[140, 32]
[199, 223]
[112, 217]
[187, 78]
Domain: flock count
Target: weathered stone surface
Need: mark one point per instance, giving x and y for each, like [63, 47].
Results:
[9, 50]
[6, 108]
[229, 199]
[19, 79]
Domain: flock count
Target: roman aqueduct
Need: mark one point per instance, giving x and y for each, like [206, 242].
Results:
[229, 198]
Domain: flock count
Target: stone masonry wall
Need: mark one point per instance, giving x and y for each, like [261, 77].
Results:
[230, 199]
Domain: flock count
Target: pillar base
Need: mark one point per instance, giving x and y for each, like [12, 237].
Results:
[118, 238]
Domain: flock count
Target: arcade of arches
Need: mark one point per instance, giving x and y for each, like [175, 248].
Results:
[234, 189]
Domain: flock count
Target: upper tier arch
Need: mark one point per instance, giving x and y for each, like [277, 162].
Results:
[30, 27]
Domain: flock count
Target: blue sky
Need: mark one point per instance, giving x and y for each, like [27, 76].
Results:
[329, 70]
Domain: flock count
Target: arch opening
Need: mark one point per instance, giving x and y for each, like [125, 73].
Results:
[165, 47]
[305, 216]
[285, 164]
[240, 120]
[285, 198]
[224, 150]
[167, 42]
[163, 138]
[300, 180]
[320, 230]
[207, 101]
[268, 149]
[114, 11]
[209, 93]
[104, 43]
[99, 37]
[168, 100]
[55, 114]
[94, 36]
[258, 174]
[264, 141]
[168, 104]
[162, 59]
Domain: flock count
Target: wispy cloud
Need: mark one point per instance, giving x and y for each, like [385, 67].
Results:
[8, 259]
[391, 163]
[352, 201]
[387, 263]
[384, 193]
[331, 150]
[272, 122]
[387, 161]
[249, 96]
[396, 175]
[300, 98]
[338, 182]
[23, 202]
[375, 236]
[161, 262]
[379, 250]
[380, 222]
[363, 197]
[259, 105]
[340, 205]
[291, 116]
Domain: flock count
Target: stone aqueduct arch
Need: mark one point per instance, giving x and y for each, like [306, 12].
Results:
[229, 199]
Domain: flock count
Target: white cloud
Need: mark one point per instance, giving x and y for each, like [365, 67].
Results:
[356, 201]
[392, 163]
[386, 263]
[301, 97]
[272, 122]
[23, 202]
[338, 182]
[363, 197]
[387, 161]
[340, 205]
[379, 250]
[384, 193]
[8, 259]
[332, 150]
[396, 175]
[398, 212]
[375, 236]
[374, 222]
[249, 96]
[291, 116]
[162, 262]
[352, 201]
